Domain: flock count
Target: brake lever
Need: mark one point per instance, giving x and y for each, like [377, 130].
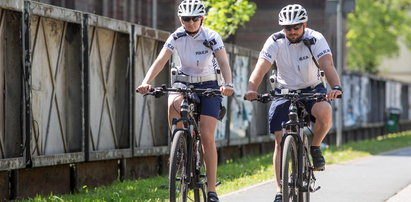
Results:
[265, 98]
[209, 93]
[158, 93]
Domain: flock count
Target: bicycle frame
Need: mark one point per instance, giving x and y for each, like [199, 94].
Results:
[189, 137]
[293, 134]
[189, 117]
[294, 127]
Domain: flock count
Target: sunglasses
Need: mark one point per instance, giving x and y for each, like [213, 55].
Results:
[187, 18]
[295, 27]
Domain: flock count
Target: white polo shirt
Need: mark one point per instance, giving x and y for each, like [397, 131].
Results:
[295, 67]
[196, 59]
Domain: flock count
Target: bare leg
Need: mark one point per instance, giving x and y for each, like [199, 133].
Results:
[277, 159]
[207, 128]
[174, 102]
[323, 120]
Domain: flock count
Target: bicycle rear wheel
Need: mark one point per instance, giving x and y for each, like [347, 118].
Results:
[289, 170]
[178, 188]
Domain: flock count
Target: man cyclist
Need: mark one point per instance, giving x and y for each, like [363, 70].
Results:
[295, 50]
[199, 48]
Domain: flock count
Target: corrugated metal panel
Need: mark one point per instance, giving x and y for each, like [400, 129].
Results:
[144, 127]
[109, 121]
[56, 94]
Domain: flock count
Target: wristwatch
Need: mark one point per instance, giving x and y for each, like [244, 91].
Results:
[337, 87]
[229, 85]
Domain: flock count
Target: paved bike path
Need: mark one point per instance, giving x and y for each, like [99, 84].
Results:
[374, 178]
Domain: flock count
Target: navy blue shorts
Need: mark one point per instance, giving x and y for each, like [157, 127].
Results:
[279, 108]
[210, 106]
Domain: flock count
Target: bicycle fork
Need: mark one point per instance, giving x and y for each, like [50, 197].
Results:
[189, 141]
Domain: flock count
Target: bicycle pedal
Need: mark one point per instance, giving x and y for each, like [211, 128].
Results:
[202, 175]
[218, 183]
[312, 190]
[178, 179]
[318, 169]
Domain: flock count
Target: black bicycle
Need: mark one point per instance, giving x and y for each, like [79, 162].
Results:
[187, 181]
[297, 176]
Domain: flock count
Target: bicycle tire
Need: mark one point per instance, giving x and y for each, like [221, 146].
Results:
[304, 196]
[289, 170]
[200, 192]
[178, 188]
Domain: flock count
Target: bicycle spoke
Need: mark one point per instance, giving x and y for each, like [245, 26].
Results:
[177, 175]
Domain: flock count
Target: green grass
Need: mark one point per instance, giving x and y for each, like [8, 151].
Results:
[234, 174]
[354, 150]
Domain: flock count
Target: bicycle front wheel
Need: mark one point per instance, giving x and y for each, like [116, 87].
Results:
[289, 170]
[304, 194]
[178, 186]
[200, 183]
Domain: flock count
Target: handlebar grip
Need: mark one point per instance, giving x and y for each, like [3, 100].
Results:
[151, 90]
[258, 97]
[339, 96]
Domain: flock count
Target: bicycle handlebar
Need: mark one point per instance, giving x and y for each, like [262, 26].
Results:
[160, 91]
[267, 97]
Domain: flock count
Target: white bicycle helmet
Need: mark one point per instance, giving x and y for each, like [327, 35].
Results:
[191, 8]
[292, 14]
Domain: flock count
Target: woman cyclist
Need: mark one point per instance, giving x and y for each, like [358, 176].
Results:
[199, 48]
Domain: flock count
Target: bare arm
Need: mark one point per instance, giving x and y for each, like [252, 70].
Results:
[157, 66]
[261, 68]
[222, 60]
[154, 70]
[326, 63]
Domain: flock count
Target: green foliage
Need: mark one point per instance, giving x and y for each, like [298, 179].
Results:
[225, 16]
[373, 30]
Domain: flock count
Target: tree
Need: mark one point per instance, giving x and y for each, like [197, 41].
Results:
[225, 16]
[373, 30]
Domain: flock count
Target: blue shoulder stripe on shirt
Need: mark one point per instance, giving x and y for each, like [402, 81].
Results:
[277, 36]
[179, 35]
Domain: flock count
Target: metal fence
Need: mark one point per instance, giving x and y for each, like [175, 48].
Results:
[69, 114]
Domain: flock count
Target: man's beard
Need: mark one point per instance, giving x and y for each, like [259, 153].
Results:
[296, 40]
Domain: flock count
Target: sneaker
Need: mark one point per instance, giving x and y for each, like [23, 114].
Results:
[212, 197]
[278, 197]
[318, 158]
